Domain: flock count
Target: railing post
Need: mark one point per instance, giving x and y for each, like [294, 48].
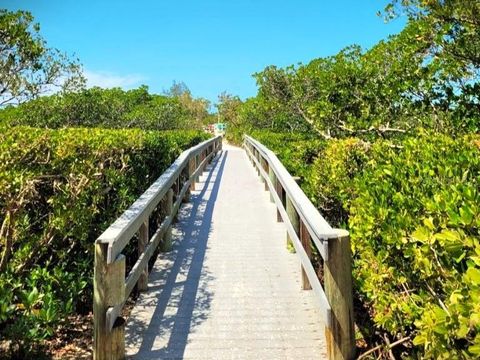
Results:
[210, 151]
[271, 175]
[176, 192]
[186, 174]
[306, 243]
[279, 190]
[108, 291]
[260, 167]
[167, 238]
[143, 238]
[197, 163]
[338, 290]
[258, 163]
[267, 170]
[191, 166]
[294, 220]
[118, 339]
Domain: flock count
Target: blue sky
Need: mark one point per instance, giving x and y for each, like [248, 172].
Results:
[211, 45]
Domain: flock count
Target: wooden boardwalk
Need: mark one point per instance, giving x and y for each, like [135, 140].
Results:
[229, 289]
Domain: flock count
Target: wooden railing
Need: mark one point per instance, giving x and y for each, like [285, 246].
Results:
[306, 228]
[112, 286]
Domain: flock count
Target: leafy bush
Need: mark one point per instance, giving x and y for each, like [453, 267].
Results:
[297, 157]
[110, 108]
[414, 217]
[415, 227]
[59, 189]
[330, 180]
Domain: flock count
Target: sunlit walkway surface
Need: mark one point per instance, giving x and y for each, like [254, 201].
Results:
[229, 289]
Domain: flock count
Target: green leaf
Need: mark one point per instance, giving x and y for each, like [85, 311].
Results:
[474, 349]
[428, 222]
[473, 275]
[448, 235]
[422, 234]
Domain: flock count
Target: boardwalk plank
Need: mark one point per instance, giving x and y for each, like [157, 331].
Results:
[229, 289]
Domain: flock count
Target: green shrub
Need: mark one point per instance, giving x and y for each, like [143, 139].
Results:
[297, 152]
[331, 177]
[415, 226]
[413, 211]
[59, 189]
[109, 108]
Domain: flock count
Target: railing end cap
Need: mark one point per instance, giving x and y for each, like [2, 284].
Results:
[341, 233]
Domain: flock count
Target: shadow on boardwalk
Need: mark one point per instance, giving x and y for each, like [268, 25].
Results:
[178, 298]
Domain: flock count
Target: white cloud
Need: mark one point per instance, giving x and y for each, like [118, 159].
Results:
[107, 79]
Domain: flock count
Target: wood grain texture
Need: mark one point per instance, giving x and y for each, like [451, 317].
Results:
[338, 289]
[143, 239]
[307, 246]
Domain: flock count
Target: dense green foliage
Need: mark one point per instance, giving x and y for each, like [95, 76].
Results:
[59, 189]
[111, 108]
[415, 225]
[297, 157]
[414, 217]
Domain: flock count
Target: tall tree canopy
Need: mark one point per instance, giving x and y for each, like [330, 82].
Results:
[27, 66]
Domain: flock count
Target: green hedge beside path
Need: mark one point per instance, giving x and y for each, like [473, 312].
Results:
[59, 189]
[413, 212]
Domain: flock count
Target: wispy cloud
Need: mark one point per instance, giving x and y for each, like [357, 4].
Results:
[107, 79]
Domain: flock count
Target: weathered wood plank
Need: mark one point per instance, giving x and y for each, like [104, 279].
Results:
[304, 258]
[118, 340]
[123, 229]
[166, 244]
[109, 291]
[317, 226]
[271, 175]
[294, 219]
[143, 239]
[101, 333]
[338, 289]
[237, 291]
[143, 259]
[312, 218]
[306, 243]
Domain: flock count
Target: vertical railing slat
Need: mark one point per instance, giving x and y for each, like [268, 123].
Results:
[143, 238]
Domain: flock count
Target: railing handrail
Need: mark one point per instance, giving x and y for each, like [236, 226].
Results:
[112, 286]
[318, 227]
[305, 225]
[122, 230]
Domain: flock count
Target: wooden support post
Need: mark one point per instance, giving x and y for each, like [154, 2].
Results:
[167, 238]
[186, 172]
[261, 166]
[118, 339]
[197, 164]
[210, 151]
[271, 175]
[306, 243]
[267, 170]
[108, 291]
[279, 189]
[294, 220]
[143, 238]
[191, 166]
[175, 197]
[101, 338]
[259, 159]
[338, 289]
